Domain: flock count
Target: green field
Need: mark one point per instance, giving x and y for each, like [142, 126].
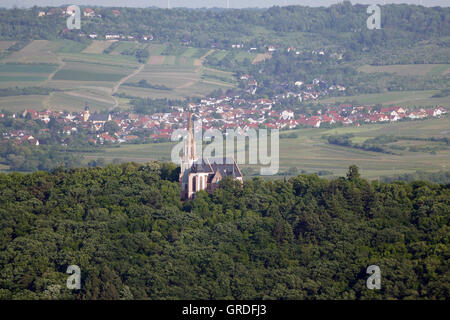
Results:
[311, 153]
[72, 100]
[409, 69]
[98, 46]
[219, 54]
[38, 51]
[404, 98]
[194, 53]
[211, 74]
[157, 49]
[102, 59]
[68, 46]
[20, 103]
[19, 73]
[82, 75]
[183, 74]
[127, 46]
[27, 68]
[87, 74]
[14, 78]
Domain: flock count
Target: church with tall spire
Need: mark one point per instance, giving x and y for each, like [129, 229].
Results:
[198, 173]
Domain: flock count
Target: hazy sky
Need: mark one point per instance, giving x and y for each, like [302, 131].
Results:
[207, 3]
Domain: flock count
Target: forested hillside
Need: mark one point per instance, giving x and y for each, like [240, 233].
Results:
[342, 24]
[302, 238]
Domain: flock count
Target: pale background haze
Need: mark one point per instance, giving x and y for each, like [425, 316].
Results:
[208, 3]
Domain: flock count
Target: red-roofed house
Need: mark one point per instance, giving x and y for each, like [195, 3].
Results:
[130, 138]
[88, 12]
[29, 139]
[107, 138]
[327, 119]
[314, 122]
[418, 114]
[33, 113]
[441, 109]
[438, 111]
[271, 125]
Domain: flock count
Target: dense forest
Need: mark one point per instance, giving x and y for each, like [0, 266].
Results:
[298, 238]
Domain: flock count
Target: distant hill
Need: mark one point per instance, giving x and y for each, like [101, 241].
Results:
[209, 3]
[342, 24]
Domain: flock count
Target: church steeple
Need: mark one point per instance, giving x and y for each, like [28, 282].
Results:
[187, 161]
[189, 145]
[203, 174]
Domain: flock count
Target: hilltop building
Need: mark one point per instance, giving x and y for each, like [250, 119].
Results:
[205, 173]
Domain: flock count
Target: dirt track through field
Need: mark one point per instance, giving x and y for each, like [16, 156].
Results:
[116, 87]
[188, 84]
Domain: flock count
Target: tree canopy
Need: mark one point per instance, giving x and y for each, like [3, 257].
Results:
[303, 238]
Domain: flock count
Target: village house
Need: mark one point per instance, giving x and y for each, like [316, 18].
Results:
[28, 138]
[105, 137]
[88, 12]
[69, 12]
[53, 11]
[287, 115]
[112, 36]
[32, 113]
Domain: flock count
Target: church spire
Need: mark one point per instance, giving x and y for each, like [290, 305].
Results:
[189, 149]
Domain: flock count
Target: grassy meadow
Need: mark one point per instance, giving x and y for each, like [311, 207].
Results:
[409, 69]
[312, 153]
[411, 99]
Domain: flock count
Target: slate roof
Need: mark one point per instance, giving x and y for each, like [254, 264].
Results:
[226, 166]
[99, 117]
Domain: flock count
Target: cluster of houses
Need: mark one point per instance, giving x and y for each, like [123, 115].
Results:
[21, 136]
[218, 113]
[356, 115]
[303, 91]
[115, 36]
[90, 13]
[87, 12]
[228, 112]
